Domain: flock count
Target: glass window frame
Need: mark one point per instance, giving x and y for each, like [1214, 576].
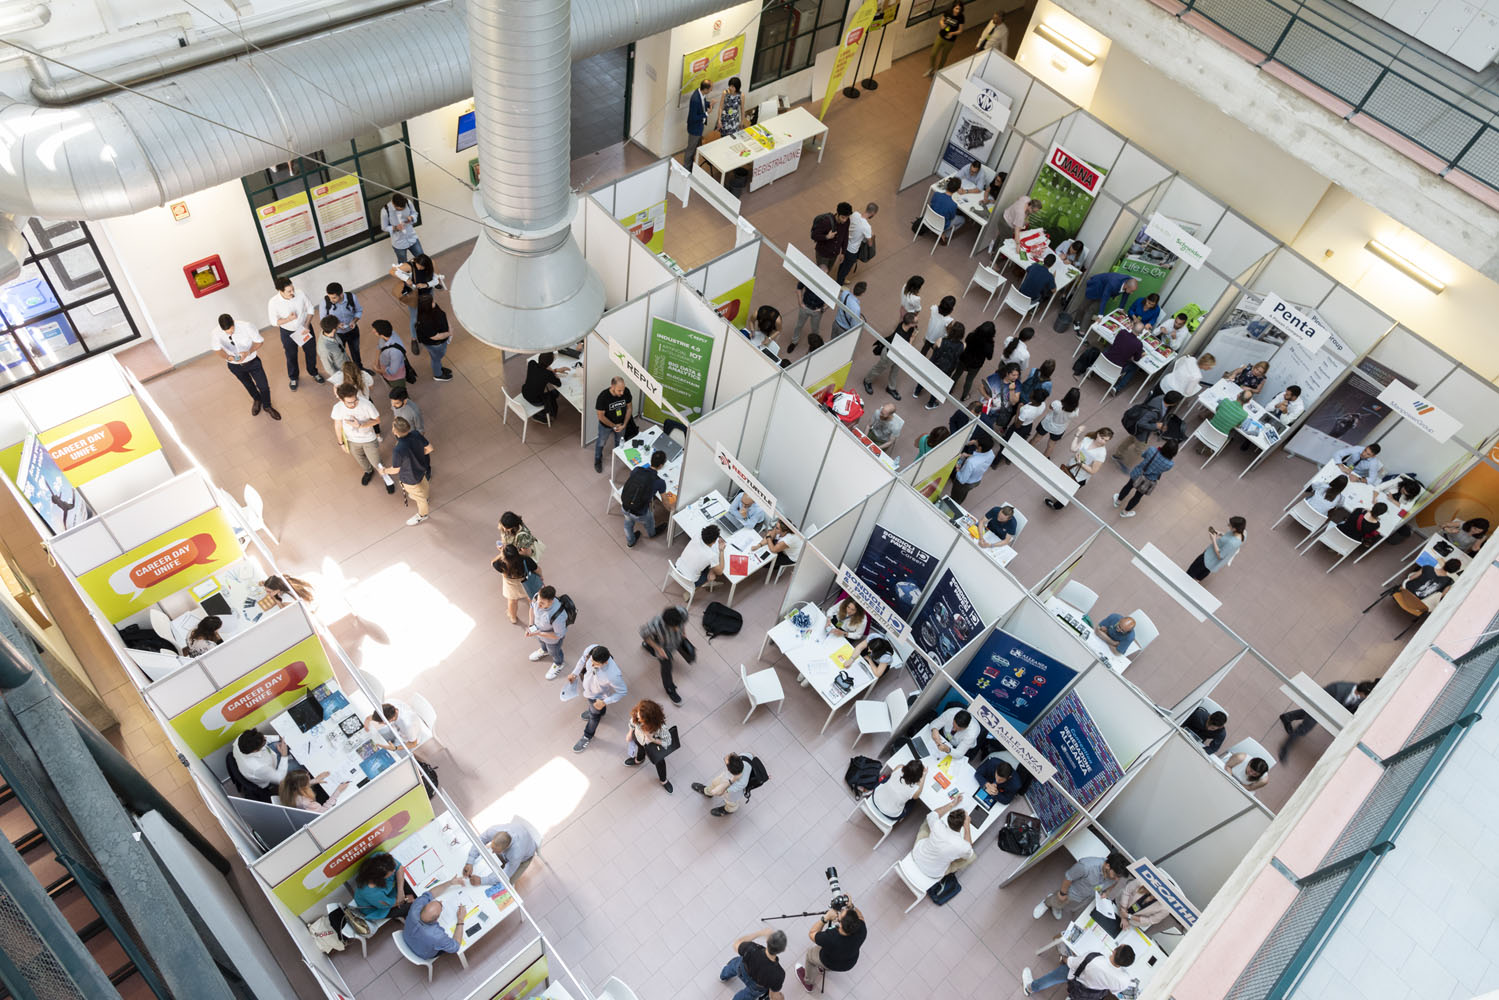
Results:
[807, 28]
[933, 8]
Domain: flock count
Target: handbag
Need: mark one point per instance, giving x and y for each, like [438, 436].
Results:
[533, 583]
[355, 921]
[656, 753]
[866, 250]
[1142, 485]
[688, 650]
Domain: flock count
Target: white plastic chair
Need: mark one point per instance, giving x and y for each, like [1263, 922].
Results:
[1209, 704]
[522, 409]
[1080, 597]
[1106, 370]
[1212, 437]
[162, 626]
[424, 711]
[255, 512]
[410, 956]
[987, 279]
[1145, 630]
[531, 829]
[1304, 514]
[613, 989]
[880, 716]
[672, 575]
[1251, 748]
[762, 687]
[375, 685]
[616, 496]
[930, 220]
[914, 880]
[865, 805]
[1335, 540]
[1022, 305]
[349, 934]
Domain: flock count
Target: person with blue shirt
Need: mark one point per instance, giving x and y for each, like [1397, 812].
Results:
[599, 680]
[749, 511]
[511, 844]
[1116, 630]
[1362, 464]
[344, 308]
[424, 935]
[1099, 292]
[1145, 476]
[851, 313]
[1147, 310]
[1039, 282]
[978, 456]
[944, 204]
[698, 106]
[1002, 523]
[380, 888]
[999, 779]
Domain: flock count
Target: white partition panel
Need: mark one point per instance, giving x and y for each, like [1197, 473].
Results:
[696, 280]
[731, 270]
[1087, 137]
[641, 189]
[605, 198]
[994, 592]
[1237, 245]
[932, 133]
[1134, 174]
[1200, 285]
[1293, 279]
[868, 517]
[912, 517]
[701, 472]
[1472, 401]
[82, 548]
[1105, 231]
[762, 402]
[608, 250]
[849, 474]
[1202, 868]
[1031, 622]
[1185, 203]
[646, 270]
[1127, 721]
[116, 487]
[796, 440]
[836, 354]
[1411, 357]
[1043, 114]
[1356, 322]
[812, 577]
[1001, 73]
[224, 664]
[744, 366]
[72, 391]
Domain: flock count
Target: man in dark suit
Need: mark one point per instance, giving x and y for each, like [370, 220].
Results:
[1297, 723]
[698, 106]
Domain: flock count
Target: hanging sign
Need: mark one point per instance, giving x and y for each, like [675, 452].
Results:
[164, 565]
[746, 480]
[891, 623]
[1306, 332]
[1413, 407]
[1029, 757]
[1075, 170]
[985, 102]
[1177, 241]
[635, 371]
[1161, 886]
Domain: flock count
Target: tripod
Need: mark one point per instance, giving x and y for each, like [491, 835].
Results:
[822, 982]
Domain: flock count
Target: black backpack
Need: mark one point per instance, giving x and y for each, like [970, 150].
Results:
[1020, 835]
[757, 773]
[142, 638]
[1085, 361]
[1131, 417]
[635, 495]
[822, 227]
[568, 608]
[863, 775]
[1077, 991]
[720, 619]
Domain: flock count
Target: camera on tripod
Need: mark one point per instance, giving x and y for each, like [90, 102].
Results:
[840, 899]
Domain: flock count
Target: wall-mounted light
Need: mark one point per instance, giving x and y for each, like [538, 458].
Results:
[1066, 44]
[1405, 266]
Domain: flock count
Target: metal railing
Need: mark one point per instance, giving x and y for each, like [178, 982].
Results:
[1442, 108]
[1326, 894]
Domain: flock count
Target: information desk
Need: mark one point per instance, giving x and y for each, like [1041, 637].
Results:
[771, 149]
[693, 518]
[1086, 935]
[954, 782]
[1429, 556]
[972, 528]
[437, 852]
[570, 371]
[819, 656]
[1082, 627]
[339, 745]
[971, 205]
[1158, 353]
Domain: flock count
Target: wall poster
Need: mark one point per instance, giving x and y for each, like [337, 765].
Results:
[896, 570]
[41, 480]
[1066, 187]
[1068, 737]
[648, 226]
[1017, 677]
[1347, 415]
[947, 622]
[678, 358]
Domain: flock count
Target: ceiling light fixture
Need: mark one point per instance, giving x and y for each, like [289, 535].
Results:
[1405, 266]
[1066, 44]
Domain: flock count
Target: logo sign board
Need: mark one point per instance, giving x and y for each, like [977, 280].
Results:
[891, 623]
[1075, 170]
[988, 103]
[1030, 758]
[910, 359]
[1160, 885]
[1414, 407]
[635, 370]
[745, 479]
[1169, 234]
[1305, 332]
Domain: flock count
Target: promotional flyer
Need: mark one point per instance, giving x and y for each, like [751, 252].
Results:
[128, 584]
[41, 480]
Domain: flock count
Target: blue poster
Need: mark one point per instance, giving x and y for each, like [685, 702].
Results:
[1017, 678]
[1068, 737]
[947, 621]
[895, 569]
[41, 480]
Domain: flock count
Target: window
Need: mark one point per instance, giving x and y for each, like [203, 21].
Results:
[792, 34]
[62, 308]
[921, 10]
[308, 214]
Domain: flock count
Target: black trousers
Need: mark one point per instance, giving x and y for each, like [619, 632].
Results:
[251, 375]
[350, 338]
[1199, 568]
[660, 762]
[309, 352]
[666, 682]
[846, 265]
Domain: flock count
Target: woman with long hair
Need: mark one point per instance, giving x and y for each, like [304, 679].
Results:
[360, 379]
[649, 737]
[297, 791]
[204, 636]
[513, 569]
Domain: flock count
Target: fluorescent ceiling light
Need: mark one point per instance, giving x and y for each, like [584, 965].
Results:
[1066, 44]
[1405, 266]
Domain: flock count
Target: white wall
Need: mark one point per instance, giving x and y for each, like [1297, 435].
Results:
[658, 122]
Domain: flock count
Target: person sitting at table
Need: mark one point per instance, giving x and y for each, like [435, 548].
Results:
[955, 731]
[287, 590]
[1363, 525]
[703, 558]
[1039, 281]
[945, 843]
[1100, 975]
[297, 791]
[999, 779]
[748, 510]
[899, 793]
[1176, 335]
[512, 845]
[944, 204]
[1466, 535]
[204, 636]
[1289, 406]
[848, 622]
[1002, 524]
[1018, 216]
[1230, 412]
[1146, 310]
[380, 888]
[991, 191]
[1116, 630]
[783, 541]
[1429, 582]
[261, 764]
[973, 174]
[886, 426]
[877, 652]
[1186, 376]
[423, 935]
[1210, 728]
[1251, 772]
[1250, 376]
[1361, 464]
[1139, 909]
[1086, 877]
[401, 722]
[1323, 497]
[540, 386]
[1072, 253]
[1126, 350]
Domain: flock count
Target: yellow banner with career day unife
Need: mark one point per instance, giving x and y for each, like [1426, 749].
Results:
[95, 443]
[255, 696]
[128, 584]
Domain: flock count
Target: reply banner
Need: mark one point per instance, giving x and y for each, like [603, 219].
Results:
[272, 687]
[168, 563]
[95, 443]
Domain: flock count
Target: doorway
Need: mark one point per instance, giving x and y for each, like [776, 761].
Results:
[601, 100]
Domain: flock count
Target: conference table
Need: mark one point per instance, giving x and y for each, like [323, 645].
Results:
[1429, 556]
[1082, 626]
[570, 371]
[339, 744]
[818, 657]
[974, 529]
[636, 451]
[1158, 353]
[1265, 431]
[694, 517]
[1085, 934]
[957, 781]
[771, 149]
[436, 853]
[971, 205]
[1065, 274]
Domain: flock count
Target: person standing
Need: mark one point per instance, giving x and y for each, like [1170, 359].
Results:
[730, 107]
[600, 682]
[836, 939]
[345, 308]
[996, 35]
[1150, 417]
[330, 350]
[698, 106]
[830, 235]
[1098, 292]
[851, 312]
[663, 637]
[637, 498]
[884, 363]
[432, 332]
[939, 318]
[402, 405]
[514, 531]
[859, 233]
[415, 275]
[1298, 722]
[758, 967]
[409, 461]
[1220, 551]
[811, 308]
[886, 426]
[514, 570]
[291, 311]
[1088, 452]
[732, 784]
[354, 421]
[978, 350]
[650, 737]
[977, 458]
[1080, 882]
[548, 627]
[238, 343]
[613, 410]
[1144, 477]
[949, 27]
[399, 218]
[1018, 216]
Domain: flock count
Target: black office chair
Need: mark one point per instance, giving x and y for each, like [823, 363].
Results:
[242, 786]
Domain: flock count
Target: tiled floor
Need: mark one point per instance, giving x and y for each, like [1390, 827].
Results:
[647, 885]
[599, 86]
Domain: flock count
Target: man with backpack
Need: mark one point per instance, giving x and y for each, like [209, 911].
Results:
[637, 495]
[830, 235]
[1141, 421]
[1088, 977]
[549, 622]
[742, 774]
[346, 309]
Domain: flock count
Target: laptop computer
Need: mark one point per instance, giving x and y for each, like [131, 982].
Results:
[730, 523]
[306, 713]
[977, 815]
[919, 748]
[216, 604]
[670, 445]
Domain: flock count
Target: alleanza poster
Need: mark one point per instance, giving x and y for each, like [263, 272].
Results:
[678, 358]
[1015, 676]
[1068, 737]
[947, 622]
[896, 570]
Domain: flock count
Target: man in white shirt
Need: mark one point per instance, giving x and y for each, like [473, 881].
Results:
[956, 731]
[1186, 375]
[703, 558]
[399, 218]
[354, 419]
[1176, 334]
[1363, 464]
[259, 763]
[859, 230]
[400, 723]
[291, 311]
[238, 343]
[945, 843]
[1289, 406]
[1094, 970]
[513, 847]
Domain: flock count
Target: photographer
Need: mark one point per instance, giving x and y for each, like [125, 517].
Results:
[836, 939]
[757, 966]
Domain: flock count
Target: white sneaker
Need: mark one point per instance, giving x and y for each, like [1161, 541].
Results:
[553, 673]
[417, 518]
[1056, 914]
[1116, 500]
[1126, 513]
[537, 654]
[1026, 979]
[1040, 910]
